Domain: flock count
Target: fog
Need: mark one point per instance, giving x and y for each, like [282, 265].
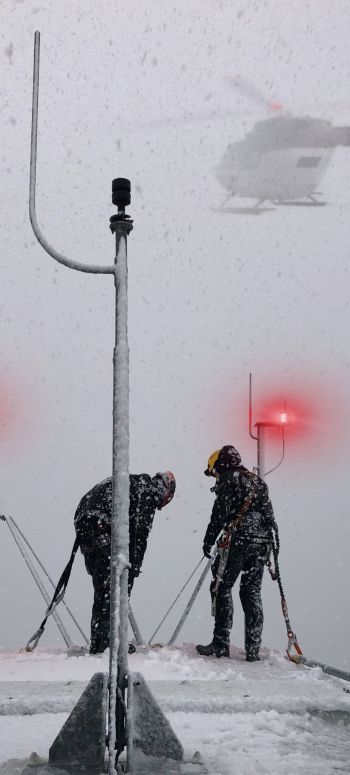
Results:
[143, 90]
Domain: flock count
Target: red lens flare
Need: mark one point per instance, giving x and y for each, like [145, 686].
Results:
[11, 412]
[310, 416]
[307, 409]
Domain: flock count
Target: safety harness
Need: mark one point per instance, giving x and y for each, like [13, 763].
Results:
[224, 544]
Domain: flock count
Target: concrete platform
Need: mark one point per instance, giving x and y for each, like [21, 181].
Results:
[236, 714]
[23, 698]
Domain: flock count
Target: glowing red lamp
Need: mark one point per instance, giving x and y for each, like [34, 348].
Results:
[280, 423]
[283, 418]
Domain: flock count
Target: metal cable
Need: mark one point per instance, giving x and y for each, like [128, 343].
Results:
[48, 577]
[175, 601]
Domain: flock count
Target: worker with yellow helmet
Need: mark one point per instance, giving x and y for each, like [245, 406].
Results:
[243, 515]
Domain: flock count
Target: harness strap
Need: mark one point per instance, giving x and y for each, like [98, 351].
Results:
[225, 540]
[58, 595]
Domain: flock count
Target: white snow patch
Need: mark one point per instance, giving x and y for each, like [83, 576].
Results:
[270, 717]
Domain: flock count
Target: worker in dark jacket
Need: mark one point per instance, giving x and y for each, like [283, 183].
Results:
[93, 528]
[242, 505]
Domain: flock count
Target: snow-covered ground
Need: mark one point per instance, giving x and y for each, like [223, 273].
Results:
[270, 717]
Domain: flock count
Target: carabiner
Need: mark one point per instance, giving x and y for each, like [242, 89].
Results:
[292, 641]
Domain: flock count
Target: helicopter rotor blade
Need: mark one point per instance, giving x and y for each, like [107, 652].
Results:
[188, 119]
[248, 89]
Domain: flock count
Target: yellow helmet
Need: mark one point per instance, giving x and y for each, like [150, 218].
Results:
[209, 471]
[225, 459]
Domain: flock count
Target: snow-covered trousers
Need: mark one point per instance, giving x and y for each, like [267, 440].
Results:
[249, 560]
[97, 563]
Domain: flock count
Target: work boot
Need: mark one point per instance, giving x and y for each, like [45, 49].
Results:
[95, 648]
[252, 656]
[213, 650]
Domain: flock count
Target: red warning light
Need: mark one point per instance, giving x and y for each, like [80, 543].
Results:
[307, 409]
[309, 412]
[271, 409]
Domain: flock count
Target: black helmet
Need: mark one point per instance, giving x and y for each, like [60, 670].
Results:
[225, 459]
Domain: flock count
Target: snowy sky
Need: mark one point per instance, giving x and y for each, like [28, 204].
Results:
[211, 296]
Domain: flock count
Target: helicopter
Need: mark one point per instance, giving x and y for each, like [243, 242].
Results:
[282, 160]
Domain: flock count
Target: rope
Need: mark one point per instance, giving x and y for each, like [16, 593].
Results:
[276, 576]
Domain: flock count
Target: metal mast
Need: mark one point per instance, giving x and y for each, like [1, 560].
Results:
[121, 226]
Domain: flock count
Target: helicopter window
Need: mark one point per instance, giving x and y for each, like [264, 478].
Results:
[308, 161]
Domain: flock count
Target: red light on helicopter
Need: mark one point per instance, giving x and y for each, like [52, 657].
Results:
[283, 418]
[276, 106]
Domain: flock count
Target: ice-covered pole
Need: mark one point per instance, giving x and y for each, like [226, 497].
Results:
[120, 225]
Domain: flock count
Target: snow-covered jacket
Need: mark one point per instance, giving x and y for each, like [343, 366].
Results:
[93, 516]
[231, 490]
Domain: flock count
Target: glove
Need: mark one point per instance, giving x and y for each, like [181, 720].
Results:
[135, 571]
[206, 551]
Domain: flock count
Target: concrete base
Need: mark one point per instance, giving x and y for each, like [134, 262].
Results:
[82, 739]
[80, 746]
[150, 734]
[153, 747]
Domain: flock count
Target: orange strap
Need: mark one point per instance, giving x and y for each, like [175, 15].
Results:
[225, 541]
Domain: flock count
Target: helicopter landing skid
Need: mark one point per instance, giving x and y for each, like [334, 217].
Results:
[243, 210]
[290, 203]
